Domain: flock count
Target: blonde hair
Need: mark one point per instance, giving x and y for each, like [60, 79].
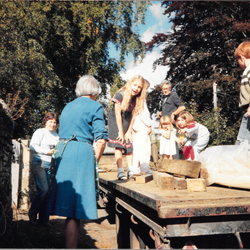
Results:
[147, 84]
[140, 98]
[165, 120]
[185, 116]
[243, 49]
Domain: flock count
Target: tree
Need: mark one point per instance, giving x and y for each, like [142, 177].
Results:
[199, 50]
[6, 154]
[47, 45]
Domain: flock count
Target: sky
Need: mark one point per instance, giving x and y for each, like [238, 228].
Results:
[156, 22]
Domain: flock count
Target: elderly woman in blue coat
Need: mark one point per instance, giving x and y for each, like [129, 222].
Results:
[73, 193]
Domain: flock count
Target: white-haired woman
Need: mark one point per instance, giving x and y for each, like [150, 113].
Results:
[73, 193]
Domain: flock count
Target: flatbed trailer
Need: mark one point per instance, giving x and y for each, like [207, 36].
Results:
[148, 217]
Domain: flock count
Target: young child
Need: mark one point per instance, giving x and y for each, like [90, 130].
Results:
[128, 101]
[242, 55]
[168, 138]
[141, 140]
[196, 135]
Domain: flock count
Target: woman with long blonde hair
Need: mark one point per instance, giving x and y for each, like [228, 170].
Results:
[128, 101]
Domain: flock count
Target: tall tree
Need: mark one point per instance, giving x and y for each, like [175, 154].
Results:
[47, 45]
[199, 51]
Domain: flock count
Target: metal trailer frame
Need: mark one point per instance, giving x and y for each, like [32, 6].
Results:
[167, 221]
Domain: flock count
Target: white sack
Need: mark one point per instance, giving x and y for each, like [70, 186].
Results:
[227, 165]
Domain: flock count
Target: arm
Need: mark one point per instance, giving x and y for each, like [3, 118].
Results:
[149, 130]
[191, 128]
[99, 132]
[178, 140]
[118, 117]
[145, 118]
[128, 134]
[35, 143]
[167, 134]
[176, 112]
[182, 131]
[248, 111]
[100, 147]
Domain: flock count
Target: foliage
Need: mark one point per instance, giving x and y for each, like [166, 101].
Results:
[199, 51]
[154, 99]
[220, 133]
[47, 45]
[16, 106]
[6, 131]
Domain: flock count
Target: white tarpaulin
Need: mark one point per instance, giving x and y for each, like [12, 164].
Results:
[228, 165]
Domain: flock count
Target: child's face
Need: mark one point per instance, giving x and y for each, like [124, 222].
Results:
[136, 88]
[181, 122]
[166, 126]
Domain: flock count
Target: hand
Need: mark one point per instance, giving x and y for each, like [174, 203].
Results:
[178, 140]
[149, 130]
[128, 136]
[50, 152]
[181, 131]
[120, 137]
[248, 111]
[159, 115]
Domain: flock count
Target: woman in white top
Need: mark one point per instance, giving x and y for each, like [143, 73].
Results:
[42, 144]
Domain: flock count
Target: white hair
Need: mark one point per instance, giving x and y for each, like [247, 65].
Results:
[165, 82]
[87, 85]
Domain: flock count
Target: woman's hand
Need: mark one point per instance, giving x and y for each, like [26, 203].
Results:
[50, 152]
[120, 137]
[128, 136]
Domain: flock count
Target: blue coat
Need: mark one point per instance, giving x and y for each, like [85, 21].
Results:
[73, 193]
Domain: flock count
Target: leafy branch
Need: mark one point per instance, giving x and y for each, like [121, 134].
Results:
[16, 113]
